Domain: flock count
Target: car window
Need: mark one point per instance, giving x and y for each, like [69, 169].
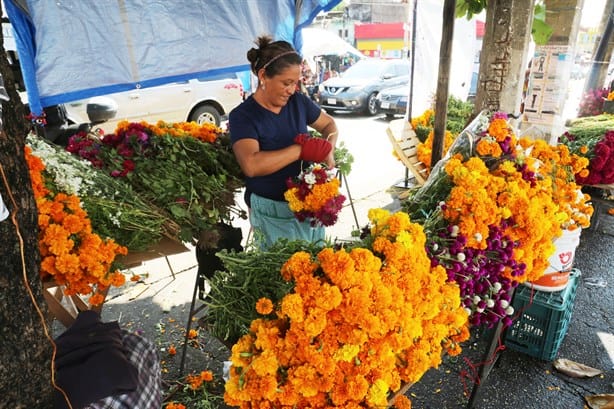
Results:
[402, 69]
[364, 69]
[390, 71]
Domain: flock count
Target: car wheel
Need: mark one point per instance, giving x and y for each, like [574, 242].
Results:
[206, 114]
[371, 104]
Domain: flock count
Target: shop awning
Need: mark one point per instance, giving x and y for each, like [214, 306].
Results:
[72, 50]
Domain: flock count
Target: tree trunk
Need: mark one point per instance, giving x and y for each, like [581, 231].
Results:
[443, 80]
[25, 352]
[495, 57]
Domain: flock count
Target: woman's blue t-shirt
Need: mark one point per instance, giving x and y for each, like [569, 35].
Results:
[272, 131]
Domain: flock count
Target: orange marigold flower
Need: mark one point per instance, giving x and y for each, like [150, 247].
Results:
[402, 402]
[206, 376]
[611, 211]
[192, 334]
[96, 299]
[174, 405]
[264, 306]
[172, 350]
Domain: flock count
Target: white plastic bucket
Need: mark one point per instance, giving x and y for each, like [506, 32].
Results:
[556, 276]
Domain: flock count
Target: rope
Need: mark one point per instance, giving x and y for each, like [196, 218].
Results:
[29, 289]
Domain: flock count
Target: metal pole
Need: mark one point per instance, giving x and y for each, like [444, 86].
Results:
[411, 75]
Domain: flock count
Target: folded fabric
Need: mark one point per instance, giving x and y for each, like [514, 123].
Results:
[91, 362]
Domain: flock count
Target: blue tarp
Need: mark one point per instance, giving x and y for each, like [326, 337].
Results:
[76, 49]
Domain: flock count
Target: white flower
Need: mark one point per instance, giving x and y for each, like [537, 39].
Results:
[461, 257]
[468, 310]
[496, 287]
[478, 237]
[435, 247]
[476, 299]
[454, 231]
[310, 179]
[504, 304]
[509, 310]
[490, 303]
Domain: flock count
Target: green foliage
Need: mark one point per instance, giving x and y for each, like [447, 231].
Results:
[459, 112]
[540, 30]
[422, 132]
[586, 132]
[247, 277]
[469, 8]
[343, 157]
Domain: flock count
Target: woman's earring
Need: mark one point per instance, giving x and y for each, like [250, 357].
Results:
[262, 86]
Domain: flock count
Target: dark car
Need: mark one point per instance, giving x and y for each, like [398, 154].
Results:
[393, 101]
[357, 88]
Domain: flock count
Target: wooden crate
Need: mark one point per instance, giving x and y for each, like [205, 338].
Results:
[405, 143]
[65, 308]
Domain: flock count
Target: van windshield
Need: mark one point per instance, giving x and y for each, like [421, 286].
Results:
[365, 69]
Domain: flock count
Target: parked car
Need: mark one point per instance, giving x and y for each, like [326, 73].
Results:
[393, 101]
[198, 100]
[357, 87]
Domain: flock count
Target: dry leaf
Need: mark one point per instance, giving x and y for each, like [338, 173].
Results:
[575, 369]
[604, 401]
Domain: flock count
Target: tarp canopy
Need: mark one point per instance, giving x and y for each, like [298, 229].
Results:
[317, 41]
[75, 49]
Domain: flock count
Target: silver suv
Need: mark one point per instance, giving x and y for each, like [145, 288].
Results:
[357, 88]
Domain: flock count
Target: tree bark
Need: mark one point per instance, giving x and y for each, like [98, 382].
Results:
[25, 351]
[495, 57]
[443, 80]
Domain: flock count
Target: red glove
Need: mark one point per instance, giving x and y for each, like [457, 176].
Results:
[313, 149]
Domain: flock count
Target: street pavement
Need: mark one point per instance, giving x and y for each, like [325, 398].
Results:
[158, 305]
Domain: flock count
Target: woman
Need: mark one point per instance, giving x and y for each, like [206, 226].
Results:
[265, 131]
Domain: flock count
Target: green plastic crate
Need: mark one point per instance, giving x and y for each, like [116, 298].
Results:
[543, 321]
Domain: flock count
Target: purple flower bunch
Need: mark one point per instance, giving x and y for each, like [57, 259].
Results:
[483, 275]
[592, 102]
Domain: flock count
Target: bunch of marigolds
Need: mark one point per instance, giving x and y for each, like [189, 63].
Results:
[359, 324]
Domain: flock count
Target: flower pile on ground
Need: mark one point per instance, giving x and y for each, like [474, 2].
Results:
[196, 391]
[314, 195]
[187, 170]
[113, 207]
[358, 323]
[71, 253]
[491, 210]
[593, 138]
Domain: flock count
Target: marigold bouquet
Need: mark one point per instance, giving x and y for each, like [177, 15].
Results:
[314, 195]
[187, 170]
[71, 253]
[491, 209]
[358, 324]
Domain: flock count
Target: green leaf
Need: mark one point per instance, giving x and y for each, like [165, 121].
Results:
[178, 211]
[541, 32]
